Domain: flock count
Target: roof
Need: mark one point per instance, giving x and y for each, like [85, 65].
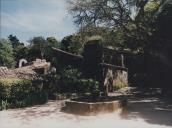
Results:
[67, 54]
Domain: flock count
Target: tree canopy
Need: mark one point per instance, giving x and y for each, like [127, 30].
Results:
[6, 54]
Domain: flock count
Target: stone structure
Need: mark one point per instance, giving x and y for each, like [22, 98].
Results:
[31, 70]
[92, 108]
[23, 73]
[41, 66]
[22, 62]
[103, 64]
[106, 65]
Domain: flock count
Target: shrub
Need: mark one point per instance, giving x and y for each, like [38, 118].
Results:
[14, 88]
[20, 93]
[4, 105]
[69, 78]
[88, 85]
[71, 81]
[35, 98]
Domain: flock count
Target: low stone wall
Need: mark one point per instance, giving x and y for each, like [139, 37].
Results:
[85, 108]
[22, 73]
[29, 71]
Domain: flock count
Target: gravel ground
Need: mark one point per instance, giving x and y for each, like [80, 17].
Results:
[150, 112]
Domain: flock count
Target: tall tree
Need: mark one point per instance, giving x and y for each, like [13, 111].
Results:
[106, 17]
[19, 49]
[14, 40]
[6, 54]
[70, 44]
[38, 47]
[110, 13]
[51, 42]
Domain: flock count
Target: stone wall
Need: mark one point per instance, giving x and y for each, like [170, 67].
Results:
[92, 108]
[22, 73]
[26, 72]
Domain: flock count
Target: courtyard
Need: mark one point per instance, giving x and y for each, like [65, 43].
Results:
[142, 111]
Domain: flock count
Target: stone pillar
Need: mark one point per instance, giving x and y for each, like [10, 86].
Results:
[122, 60]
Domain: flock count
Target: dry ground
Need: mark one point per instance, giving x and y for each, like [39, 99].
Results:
[143, 111]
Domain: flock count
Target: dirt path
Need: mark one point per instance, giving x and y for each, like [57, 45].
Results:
[150, 112]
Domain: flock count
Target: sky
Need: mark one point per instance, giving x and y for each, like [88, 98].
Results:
[29, 18]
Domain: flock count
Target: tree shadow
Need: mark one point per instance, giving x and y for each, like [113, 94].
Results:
[38, 111]
[150, 106]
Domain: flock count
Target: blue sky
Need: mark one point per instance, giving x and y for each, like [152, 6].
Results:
[29, 18]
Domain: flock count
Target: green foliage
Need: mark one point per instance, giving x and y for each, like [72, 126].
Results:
[14, 88]
[38, 47]
[137, 35]
[4, 105]
[105, 34]
[14, 41]
[151, 6]
[6, 54]
[20, 52]
[51, 42]
[71, 81]
[33, 99]
[19, 49]
[70, 45]
[20, 93]
[42, 48]
[88, 85]
[109, 13]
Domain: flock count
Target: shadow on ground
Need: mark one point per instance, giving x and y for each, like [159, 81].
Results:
[150, 105]
[38, 111]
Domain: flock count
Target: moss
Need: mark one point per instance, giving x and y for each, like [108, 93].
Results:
[119, 83]
[151, 6]
[95, 38]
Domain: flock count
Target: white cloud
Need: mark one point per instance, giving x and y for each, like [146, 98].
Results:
[16, 21]
[53, 17]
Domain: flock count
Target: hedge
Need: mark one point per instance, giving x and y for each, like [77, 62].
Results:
[16, 92]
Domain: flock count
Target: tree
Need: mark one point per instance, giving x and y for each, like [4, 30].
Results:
[70, 44]
[86, 32]
[51, 42]
[150, 35]
[19, 49]
[106, 17]
[37, 47]
[42, 48]
[97, 13]
[20, 52]
[6, 54]
[136, 35]
[14, 41]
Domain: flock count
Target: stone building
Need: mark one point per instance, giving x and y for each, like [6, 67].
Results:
[103, 64]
